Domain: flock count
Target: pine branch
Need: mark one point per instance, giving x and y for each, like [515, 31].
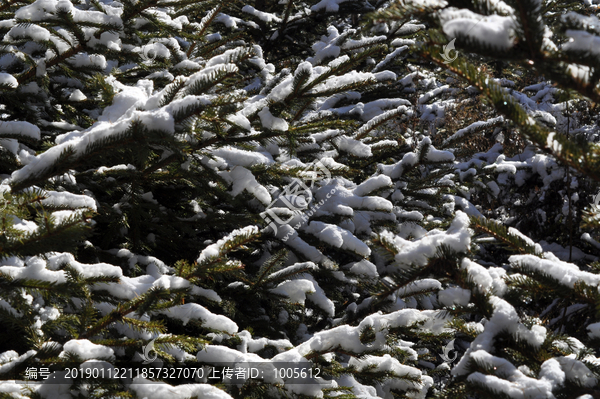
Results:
[140, 304]
[502, 234]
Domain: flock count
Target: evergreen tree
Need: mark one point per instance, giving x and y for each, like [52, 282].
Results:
[190, 139]
[260, 184]
[536, 173]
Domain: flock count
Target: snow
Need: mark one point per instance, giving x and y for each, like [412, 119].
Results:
[454, 296]
[581, 41]
[390, 57]
[351, 78]
[12, 388]
[227, 58]
[493, 30]
[396, 170]
[215, 250]
[292, 239]
[35, 270]
[67, 199]
[434, 155]
[193, 311]
[504, 319]
[8, 80]
[291, 269]
[235, 157]
[487, 280]
[25, 129]
[148, 389]
[496, 384]
[348, 210]
[567, 274]
[86, 350]
[295, 290]
[77, 96]
[363, 267]
[576, 371]
[115, 120]
[318, 296]
[594, 330]
[327, 5]
[433, 93]
[263, 16]
[84, 60]
[254, 345]
[272, 122]
[473, 127]
[218, 66]
[34, 32]
[379, 119]
[354, 147]
[386, 363]
[12, 359]
[580, 72]
[348, 338]
[371, 184]
[239, 120]
[338, 237]
[417, 252]
[216, 354]
[206, 293]
[243, 179]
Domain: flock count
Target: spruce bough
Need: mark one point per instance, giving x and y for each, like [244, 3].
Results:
[143, 143]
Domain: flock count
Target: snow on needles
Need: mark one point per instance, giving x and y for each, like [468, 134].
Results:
[417, 252]
[86, 350]
[216, 249]
[148, 389]
[193, 311]
[494, 30]
[504, 318]
[566, 273]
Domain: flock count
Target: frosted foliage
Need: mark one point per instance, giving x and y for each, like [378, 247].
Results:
[326, 47]
[85, 349]
[582, 41]
[173, 148]
[416, 252]
[494, 30]
[594, 330]
[338, 237]
[271, 122]
[44, 270]
[567, 274]
[296, 290]
[487, 280]
[242, 179]
[193, 311]
[156, 390]
[364, 267]
[18, 128]
[69, 200]
[214, 250]
[504, 318]
[328, 5]
[454, 296]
